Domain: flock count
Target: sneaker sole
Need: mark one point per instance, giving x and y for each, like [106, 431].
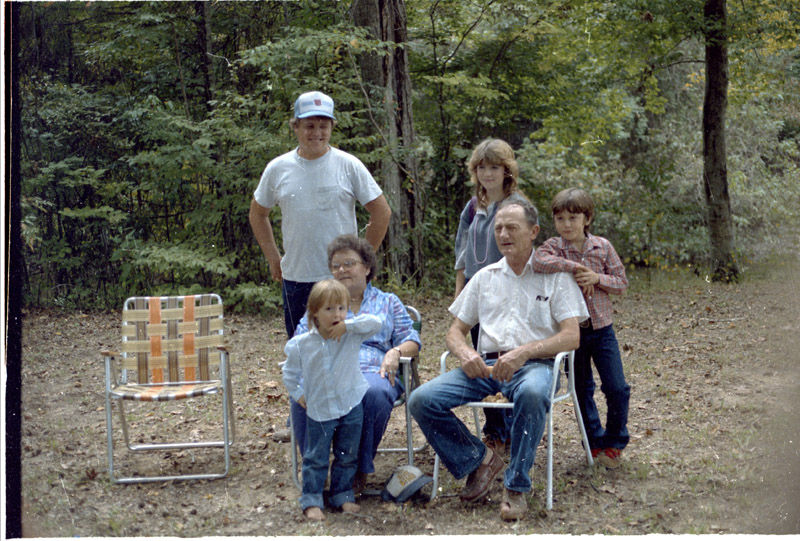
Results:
[610, 463]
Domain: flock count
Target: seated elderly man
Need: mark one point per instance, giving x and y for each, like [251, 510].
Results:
[526, 318]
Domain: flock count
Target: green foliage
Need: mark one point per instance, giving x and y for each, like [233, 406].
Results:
[146, 127]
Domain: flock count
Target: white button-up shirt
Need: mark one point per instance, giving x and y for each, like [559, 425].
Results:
[327, 372]
[514, 310]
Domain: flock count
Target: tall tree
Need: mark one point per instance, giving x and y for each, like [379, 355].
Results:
[715, 170]
[386, 21]
[204, 49]
[14, 267]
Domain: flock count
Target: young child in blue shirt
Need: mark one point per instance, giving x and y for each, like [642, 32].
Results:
[322, 374]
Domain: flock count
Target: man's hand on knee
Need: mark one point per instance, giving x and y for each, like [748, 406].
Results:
[508, 363]
[474, 367]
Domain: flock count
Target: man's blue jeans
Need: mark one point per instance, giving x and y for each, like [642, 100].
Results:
[460, 450]
[498, 421]
[344, 433]
[600, 346]
[295, 298]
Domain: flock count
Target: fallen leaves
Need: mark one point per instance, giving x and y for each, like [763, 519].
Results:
[691, 373]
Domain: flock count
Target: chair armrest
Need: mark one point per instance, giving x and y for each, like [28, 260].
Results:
[561, 358]
[558, 360]
[443, 361]
[111, 368]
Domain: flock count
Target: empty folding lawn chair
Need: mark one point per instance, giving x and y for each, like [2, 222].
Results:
[172, 349]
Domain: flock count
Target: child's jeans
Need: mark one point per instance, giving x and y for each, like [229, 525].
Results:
[378, 403]
[600, 346]
[345, 434]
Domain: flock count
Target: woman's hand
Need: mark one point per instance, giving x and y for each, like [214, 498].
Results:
[390, 364]
[302, 402]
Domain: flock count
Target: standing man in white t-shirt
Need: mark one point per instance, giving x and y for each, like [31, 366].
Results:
[316, 187]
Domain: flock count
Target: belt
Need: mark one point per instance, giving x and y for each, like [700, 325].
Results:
[587, 324]
[496, 355]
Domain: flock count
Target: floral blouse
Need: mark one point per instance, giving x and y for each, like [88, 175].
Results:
[396, 328]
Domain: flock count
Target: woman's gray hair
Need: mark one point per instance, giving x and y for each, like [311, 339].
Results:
[358, 245]
[516, 198]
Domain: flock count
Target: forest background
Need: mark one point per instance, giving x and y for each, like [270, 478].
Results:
[140, 130]
[145, 128]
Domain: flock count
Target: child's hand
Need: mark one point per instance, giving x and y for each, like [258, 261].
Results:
[586, 279]
[302, 401]
[338, 331]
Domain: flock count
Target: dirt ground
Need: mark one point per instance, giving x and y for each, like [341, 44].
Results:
[714, 432]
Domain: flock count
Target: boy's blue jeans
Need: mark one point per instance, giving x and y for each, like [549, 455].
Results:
[461, 451]
[344, 433]
[295, 298]
[600, 346]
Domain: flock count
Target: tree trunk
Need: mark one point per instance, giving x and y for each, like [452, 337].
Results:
[204, 50]
[715, 173]
[386, 20]
[15, 267]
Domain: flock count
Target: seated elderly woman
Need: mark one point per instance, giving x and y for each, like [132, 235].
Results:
[352, 261]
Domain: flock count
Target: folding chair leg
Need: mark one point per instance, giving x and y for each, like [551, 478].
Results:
[550, 459]
[584, 437]
[573, 393]
[409, 448]
[229, 387]
[435, 485]
[225, 443]
[110, 438]
[477, 422]
[124, 423]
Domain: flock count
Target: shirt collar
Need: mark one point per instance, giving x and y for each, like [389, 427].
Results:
[591, 242]
[506, 268]
[369, 293]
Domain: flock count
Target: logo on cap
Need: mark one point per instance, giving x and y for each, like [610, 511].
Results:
[313, 104]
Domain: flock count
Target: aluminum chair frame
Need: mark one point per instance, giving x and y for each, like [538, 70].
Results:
[554, 398]
[409, 378]
[173, 359]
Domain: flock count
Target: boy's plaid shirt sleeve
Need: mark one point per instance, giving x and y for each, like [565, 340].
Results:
[556, 255]
[601, 257]
[612, 273]
[553, 256]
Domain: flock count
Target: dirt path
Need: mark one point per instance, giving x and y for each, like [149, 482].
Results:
[715, 390]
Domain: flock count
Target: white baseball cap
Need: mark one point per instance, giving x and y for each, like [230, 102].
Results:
[404, 483]
[313, 104]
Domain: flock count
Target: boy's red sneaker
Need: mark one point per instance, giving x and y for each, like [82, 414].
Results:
[609, 457]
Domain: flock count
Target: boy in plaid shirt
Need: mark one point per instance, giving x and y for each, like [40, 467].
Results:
[599, 272]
